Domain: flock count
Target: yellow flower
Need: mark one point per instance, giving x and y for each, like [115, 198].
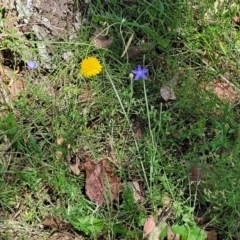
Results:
[90, 67]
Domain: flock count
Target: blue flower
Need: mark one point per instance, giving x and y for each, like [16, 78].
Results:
[32, 64]
[140, 73]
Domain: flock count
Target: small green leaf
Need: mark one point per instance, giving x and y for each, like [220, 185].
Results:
[186, 233]
[128, 203]
[88, 224]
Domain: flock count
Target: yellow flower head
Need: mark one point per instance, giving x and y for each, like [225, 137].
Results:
[90, 67]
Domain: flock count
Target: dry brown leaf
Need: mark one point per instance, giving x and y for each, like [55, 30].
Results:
[76, 167]
[100, 38]
[101, 43]
[16, 86]
[55, 223]
[93, 186]
[140, 49]
[236, 19]
[137, 194]
[171, 235]
[149, 226]
[89, 166]
[224, 90]
[101, 186]
[167, 93]
[211, 235]
[60, 140]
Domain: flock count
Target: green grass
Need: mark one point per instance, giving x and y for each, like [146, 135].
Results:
[36, 182]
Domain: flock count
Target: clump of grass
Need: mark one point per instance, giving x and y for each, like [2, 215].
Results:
[197, 128]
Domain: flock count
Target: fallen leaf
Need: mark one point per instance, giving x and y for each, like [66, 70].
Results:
[101, 43]
[94, 187]
[171, 235]
[140, 49]
[137, 193]
[236, 19]
[149, 226]
[76, 167]
[89, 166]
[167, 93]
[16, 86]
[223, 89]
[101, 186]
[55, 223]
[211, 235]
[100, 37]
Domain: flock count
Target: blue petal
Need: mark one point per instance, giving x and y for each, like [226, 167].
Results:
[145, 70]
[143, 76]
[139, 68]
[135, 71]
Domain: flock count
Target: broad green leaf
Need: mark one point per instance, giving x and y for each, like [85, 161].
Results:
[88, 224]
[186, 233]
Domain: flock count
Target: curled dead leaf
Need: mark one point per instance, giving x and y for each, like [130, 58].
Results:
[149, 226]
[167, 93]
[140, 49]
[57, 223]
[137, 193]
[76, 167]
[100, 37]
[101, 43]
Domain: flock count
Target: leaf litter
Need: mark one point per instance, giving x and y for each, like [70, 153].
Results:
[100, 37]
[55, 223]
[101, 184]
[149, 226]
[167, 92]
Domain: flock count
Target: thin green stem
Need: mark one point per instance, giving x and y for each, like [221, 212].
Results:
[128, 121]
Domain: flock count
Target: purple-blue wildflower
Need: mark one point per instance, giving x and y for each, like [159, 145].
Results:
[32, 64]
[140, 72]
